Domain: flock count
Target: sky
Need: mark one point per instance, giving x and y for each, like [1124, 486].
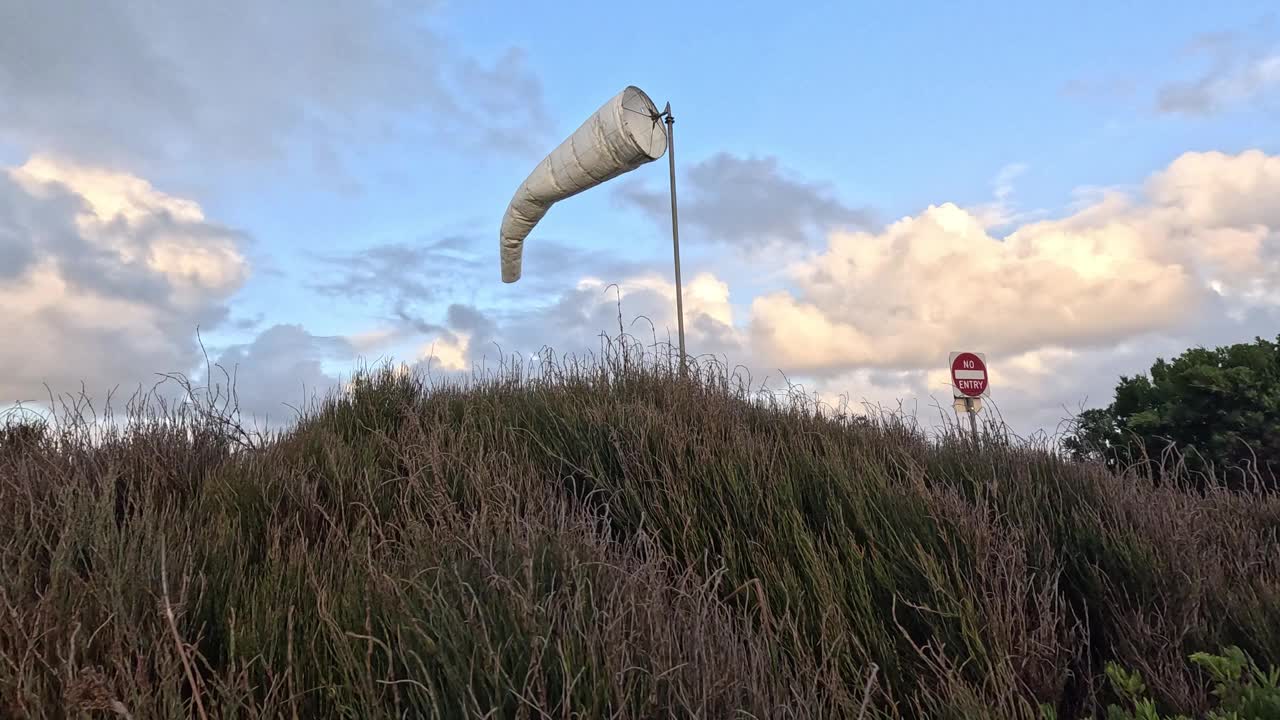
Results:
[292, 190]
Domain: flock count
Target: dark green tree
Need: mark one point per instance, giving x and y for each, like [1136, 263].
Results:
[1219, 409]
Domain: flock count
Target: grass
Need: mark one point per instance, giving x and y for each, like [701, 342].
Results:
[601, 538]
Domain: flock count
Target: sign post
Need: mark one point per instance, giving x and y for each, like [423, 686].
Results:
[969, 384]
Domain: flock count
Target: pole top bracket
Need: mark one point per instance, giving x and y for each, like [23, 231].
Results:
[664, 115]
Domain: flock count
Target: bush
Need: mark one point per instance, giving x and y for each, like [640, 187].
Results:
[1242, 689]
[1219, 409]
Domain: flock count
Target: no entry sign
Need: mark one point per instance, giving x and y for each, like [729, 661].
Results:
[968, 374]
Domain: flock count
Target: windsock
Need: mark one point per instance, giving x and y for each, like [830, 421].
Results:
[622, 135]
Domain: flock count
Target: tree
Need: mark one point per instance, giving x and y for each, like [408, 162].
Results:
[1219, 409]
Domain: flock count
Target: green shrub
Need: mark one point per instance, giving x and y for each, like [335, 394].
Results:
[1219, 408]
[1243, 690]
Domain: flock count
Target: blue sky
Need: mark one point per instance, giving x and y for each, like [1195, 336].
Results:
[894, 107]
[340, 133]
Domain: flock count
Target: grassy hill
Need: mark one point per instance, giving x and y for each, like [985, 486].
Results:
[603, 540]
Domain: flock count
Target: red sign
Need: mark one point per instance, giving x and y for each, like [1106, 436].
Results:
[968, 374]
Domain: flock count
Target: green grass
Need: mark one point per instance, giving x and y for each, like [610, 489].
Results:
[603, 539]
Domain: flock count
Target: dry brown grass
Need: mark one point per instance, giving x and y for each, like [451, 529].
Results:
[600, 539]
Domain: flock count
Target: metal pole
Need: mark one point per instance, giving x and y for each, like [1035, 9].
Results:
[675, 231]
[973, 419]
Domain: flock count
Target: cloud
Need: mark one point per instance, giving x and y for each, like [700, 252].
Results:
[1214, 189]
[1001, 212]
[449, 352]
[281, 367]
[109, 281]
[406, 279]
[572, 322]
[750, 203]
[155, 85]
[648, 300]
[1236, 75]
[1004, 180]
[403, 272]
[508, 100]
[371, 340]
[1204, 236]
[411, 280]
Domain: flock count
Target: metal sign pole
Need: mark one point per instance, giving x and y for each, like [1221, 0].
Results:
[973, 419]
[675, 230]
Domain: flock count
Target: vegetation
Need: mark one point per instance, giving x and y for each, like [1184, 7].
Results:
[605, 539]
[1243, 690]
[1218, 408]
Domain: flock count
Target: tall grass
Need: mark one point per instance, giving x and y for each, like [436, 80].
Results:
[601, 537]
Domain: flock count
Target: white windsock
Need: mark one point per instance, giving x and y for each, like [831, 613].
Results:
[622, 135]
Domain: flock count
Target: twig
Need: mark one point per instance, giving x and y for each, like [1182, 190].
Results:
[866, 692]
[177, 639]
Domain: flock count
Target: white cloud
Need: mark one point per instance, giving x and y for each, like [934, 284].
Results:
[1224, 210]
[114, 278]
[1214, 189]
[1001, 211]
[448, 352]
[1116, 269]
[704, 295]
[109, 195]
[573, 321]
[119, 207]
